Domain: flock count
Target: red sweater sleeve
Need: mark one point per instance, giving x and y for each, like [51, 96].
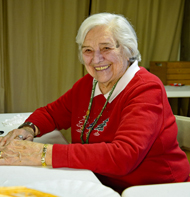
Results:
[55, 115]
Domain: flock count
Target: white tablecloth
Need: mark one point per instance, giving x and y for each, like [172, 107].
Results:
[61, 181]
[10, 121]
[24, 175]
[177, 91]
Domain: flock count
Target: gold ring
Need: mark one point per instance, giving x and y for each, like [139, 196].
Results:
[1, 154]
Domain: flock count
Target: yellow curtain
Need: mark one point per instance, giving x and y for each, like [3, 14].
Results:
[157, 24]
[39, 60]
[39, 57]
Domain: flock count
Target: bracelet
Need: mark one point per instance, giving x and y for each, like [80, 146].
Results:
[43, 158]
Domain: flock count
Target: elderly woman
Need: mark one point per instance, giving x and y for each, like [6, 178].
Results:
[121, 123]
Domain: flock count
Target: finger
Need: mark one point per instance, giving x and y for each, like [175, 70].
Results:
[10, 161]
[29, 138]
[18, 134]
[9, 137]
[10, 156]
[3, 141]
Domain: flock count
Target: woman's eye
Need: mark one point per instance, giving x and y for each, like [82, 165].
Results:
[106, 49]
[87, 51]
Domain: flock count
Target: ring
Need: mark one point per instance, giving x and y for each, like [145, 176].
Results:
[1, 154]
[20, 136]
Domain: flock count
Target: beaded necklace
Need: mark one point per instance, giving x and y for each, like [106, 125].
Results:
[88, 111]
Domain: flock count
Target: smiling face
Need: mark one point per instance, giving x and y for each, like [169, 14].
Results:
[102, 57]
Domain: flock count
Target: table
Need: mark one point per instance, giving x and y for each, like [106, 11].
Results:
[159, 190]
[179, 92]
[59, 181]
[10, 121]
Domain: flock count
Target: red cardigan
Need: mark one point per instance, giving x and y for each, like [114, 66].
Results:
[134, 141]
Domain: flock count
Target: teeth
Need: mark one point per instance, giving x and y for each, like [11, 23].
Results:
[102, 68]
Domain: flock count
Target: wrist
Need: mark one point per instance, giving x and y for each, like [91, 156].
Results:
[30, 125]
[29, 129]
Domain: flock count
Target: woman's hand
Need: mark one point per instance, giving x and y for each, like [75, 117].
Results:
[24, 153]
[27, 133]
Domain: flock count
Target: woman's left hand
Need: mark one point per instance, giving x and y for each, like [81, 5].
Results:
[21, 153]
[25, 133]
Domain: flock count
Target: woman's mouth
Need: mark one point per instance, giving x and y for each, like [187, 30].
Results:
[102, 67]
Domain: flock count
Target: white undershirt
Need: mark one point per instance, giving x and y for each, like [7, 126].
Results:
[122, 83]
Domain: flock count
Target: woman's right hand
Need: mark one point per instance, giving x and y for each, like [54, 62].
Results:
[26, 132]
[24, 153]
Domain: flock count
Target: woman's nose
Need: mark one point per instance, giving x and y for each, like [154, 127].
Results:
[98, 57]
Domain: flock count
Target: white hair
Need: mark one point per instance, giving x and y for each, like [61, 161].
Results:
[121, 29]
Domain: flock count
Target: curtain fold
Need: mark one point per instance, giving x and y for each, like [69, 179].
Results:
[2, 55]
[157, 23]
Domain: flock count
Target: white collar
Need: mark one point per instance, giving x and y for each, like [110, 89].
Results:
[122, 83]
